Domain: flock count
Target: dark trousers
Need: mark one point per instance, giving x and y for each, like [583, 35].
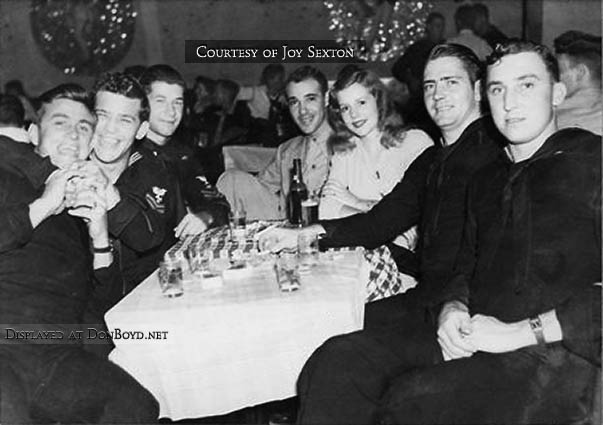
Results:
[396, 375]
[66, 384]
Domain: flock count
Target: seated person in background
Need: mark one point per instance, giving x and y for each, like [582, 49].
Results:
[47, 285]
[202, 99]
[203, 89]
[408, 69]
[431, 193]
[518, 338]
[206, 207]
[372, 151]
[484, 28]
[264, 197]
[12, 119]
[15, 88]
[272, 124]
[579, 57]
[465, 18]
[226, 122]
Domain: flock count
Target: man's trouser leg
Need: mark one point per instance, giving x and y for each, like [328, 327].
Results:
[343, 381]
[530, 386]
[241, 189]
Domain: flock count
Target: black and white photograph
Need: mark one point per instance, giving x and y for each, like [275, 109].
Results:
[312, 212]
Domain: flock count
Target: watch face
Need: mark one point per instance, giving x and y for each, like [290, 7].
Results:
[84, 37]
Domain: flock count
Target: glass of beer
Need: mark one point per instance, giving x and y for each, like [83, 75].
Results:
[309, 211]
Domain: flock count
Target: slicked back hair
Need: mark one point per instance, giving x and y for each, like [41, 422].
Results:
[468, 58]
[309, 73]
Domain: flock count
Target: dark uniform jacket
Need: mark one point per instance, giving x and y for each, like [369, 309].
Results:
[142, 223]
[197, 193]
[431, 193]
[46, 274]
[533, 240]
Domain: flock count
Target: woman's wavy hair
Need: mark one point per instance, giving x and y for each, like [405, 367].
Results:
[389, 121]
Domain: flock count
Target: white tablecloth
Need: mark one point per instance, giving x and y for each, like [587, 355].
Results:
[238, 345]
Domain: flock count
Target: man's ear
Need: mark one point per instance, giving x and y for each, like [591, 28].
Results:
[142, 130]
[559, 92]
[477, 91]
[34, 134]
[582, 72]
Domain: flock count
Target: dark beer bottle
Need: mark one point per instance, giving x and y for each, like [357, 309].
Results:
[297, 193]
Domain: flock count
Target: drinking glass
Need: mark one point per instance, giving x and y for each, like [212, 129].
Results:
[238, 224]
[307, 249]
[309, 211]
[287, 271]
[170, 278]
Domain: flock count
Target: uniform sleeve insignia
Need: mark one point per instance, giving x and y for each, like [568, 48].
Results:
[156, 200]
[134, 157]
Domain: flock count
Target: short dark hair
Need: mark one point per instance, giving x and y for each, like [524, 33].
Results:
[468, 58]
[14, 85]
[389, 121]
[69, 91]
[208, 83]
[163, 73]
[481, 9]
[135, 71]
[270, 71]
[231, 88]
[12, 112]
[464, 17]
[563, 42]
[433, 16]
[125, 85]
[514, 46]
[308, 72]
[581, 48]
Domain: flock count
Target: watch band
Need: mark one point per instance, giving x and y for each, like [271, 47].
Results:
[536, 326]
[102, 250]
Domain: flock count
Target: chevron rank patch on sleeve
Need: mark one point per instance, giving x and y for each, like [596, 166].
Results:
[156, 199]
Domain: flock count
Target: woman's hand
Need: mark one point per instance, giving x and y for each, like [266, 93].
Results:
[341, 193]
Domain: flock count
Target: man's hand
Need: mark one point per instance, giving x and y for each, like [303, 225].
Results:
[190, 225]
[92, 176]
[454, 326]
[279, 238]
[52, 200]
[493, 336]
[93, 209]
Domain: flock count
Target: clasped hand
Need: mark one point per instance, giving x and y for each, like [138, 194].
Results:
[461, 335]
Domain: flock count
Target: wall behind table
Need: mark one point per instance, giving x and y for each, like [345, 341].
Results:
[163, 25]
